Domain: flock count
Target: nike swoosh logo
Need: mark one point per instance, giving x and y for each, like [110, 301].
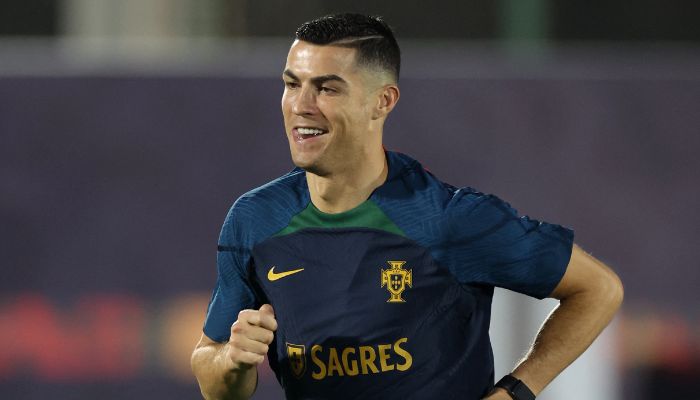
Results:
[273, 276]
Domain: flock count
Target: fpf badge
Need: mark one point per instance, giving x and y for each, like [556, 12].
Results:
[297, 359]
[395, 279]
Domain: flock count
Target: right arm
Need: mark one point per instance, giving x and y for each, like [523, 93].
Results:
[229, 370]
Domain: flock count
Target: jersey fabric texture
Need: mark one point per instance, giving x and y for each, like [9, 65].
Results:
[391, 299]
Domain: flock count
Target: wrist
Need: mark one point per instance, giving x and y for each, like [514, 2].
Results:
[498, 394]
[515, 388]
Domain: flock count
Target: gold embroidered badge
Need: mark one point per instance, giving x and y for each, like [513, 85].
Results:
[297, 359]
[395, 279]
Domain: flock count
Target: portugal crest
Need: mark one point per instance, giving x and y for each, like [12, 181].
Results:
[297, 359]
[395, 279]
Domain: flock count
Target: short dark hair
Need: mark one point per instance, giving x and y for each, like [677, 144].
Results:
[370, 35]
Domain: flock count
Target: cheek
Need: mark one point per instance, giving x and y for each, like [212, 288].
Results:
[286, 109]
[359, 114]
[337, 112]
[285, 101]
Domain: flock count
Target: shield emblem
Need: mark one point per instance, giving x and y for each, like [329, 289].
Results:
[397, 284]
[396, 279]
[296, 354]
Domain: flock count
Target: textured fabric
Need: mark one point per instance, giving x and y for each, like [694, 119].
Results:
[479, 237]
[255, 216]
[389, 299]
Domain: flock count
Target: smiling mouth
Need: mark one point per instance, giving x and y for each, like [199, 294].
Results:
[301, 134]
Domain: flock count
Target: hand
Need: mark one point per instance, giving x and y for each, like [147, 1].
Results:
[251, 336]
[498, 394]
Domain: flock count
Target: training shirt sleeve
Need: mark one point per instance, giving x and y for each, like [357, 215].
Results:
[492, 245]
[233, 291]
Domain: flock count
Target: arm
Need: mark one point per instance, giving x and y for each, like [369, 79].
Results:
[229, 370]
[590, 294]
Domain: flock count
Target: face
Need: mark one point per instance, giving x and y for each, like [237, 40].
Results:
[328, 106]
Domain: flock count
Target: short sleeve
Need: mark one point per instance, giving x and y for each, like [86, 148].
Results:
[233, 291]
[492, 245]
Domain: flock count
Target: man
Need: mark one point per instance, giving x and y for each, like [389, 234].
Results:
[360, 275]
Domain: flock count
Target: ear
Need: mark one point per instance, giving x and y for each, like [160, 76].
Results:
[387, 97]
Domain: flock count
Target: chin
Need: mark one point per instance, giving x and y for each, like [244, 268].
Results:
[312, 166]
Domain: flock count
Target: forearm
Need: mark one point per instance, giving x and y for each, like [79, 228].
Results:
[217, 380]
[567, 333]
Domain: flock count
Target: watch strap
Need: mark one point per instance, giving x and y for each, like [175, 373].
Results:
[515, 388]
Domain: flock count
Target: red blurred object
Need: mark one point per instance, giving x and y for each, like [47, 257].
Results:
[101, 337]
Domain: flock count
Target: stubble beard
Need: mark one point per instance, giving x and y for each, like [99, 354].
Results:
[316, 166]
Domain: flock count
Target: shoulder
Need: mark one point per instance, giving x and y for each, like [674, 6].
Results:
[469, 200]
[408, 180]
[420, 182]
[263, 211]
[429, 209]
[286, 190]
[414, 199]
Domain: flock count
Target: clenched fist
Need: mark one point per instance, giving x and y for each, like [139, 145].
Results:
[251, 336]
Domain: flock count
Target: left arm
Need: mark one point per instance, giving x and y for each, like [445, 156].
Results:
[590, 293]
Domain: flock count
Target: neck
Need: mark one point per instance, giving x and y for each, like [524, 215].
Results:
[348, 188]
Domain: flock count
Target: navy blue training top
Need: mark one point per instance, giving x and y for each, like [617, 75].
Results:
[390, 299]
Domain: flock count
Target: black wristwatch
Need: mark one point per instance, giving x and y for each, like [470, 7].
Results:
[515, 388]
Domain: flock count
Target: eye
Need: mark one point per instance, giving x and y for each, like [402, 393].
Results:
[291, 84]
[327, 89]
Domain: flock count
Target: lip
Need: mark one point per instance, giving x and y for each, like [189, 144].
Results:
[311, 127]
[299, 138]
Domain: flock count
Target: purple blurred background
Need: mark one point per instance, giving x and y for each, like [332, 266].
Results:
[117, 168]
[114, 188]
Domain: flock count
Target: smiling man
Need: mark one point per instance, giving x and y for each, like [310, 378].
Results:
[361, 275]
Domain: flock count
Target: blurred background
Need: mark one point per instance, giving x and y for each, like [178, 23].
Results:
[128, 128]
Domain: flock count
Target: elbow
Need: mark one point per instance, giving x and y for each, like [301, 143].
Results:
[194, 359]
[194, 366]
[614, 291]
[197, 364]
[620, 290]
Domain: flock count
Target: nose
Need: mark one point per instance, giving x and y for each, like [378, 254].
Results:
[305, 102]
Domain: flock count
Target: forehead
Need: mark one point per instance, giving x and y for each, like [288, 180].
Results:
[308, 59]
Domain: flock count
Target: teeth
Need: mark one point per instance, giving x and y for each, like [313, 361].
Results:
[309, 131]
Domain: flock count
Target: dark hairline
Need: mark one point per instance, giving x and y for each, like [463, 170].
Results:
[350, 44]
[373, 39]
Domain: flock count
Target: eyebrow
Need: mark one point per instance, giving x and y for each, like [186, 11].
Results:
[317, 80]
